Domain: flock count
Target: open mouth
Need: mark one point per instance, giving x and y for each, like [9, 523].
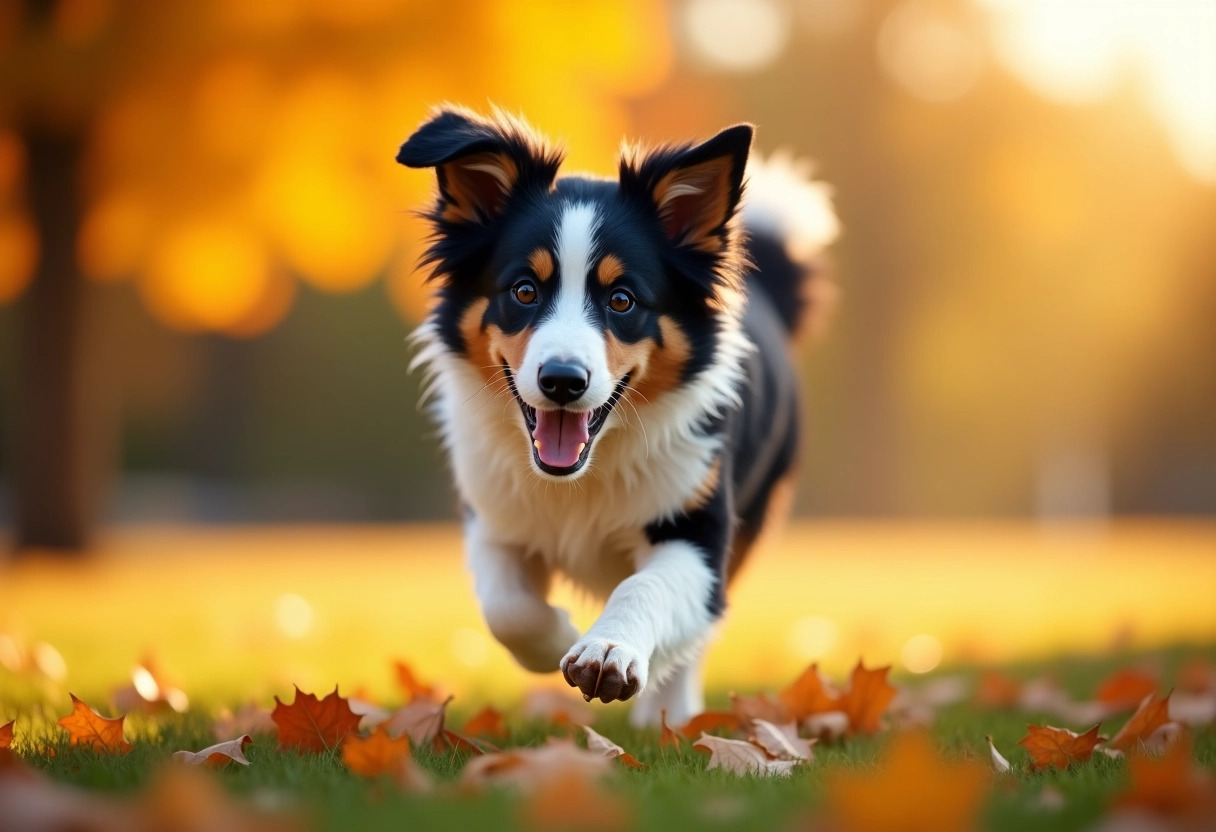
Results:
[561, 439]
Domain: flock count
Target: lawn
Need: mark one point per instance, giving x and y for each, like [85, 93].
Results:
[219, 621]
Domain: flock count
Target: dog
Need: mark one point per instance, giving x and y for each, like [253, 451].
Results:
[609, 365]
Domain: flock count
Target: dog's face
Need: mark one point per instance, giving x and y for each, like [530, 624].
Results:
[578, 294]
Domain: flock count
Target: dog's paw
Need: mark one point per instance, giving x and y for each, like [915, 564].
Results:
[605, 669]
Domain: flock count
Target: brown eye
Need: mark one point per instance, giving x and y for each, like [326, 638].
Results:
[525, 292]
[620, 301]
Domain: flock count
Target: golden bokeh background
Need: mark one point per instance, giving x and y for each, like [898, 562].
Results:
[207, 276]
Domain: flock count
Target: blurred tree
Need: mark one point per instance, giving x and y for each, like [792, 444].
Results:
[212, 152]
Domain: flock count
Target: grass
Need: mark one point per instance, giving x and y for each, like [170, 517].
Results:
[674, 792]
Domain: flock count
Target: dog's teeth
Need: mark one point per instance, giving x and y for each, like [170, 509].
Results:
[581, 445]
[536, 444]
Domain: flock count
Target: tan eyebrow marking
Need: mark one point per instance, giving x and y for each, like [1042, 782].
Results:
[541, 262]
[609, 269]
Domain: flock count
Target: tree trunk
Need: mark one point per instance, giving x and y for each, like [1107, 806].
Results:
[53, 482]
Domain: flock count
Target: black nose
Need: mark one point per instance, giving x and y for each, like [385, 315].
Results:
[561, 382]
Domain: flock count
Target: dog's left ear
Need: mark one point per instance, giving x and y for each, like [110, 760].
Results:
[480, 162]
[695, 189]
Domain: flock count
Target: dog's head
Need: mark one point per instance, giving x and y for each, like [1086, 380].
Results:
[578, 292]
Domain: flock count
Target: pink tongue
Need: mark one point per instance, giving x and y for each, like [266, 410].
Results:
[560, 435]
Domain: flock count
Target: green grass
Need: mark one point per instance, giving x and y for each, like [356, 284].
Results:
[674, 792]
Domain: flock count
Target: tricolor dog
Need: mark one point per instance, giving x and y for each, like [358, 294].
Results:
[610, 369]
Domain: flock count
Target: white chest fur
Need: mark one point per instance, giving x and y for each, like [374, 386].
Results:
[645, 465]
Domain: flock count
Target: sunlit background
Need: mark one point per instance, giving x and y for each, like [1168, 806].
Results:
[207, 278]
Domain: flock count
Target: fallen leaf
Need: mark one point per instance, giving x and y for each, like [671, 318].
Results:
[808, 695]
[867, 699]
[370, 714]
[88, 728]
[1126, 689]
[486, 723]
[999, 763]
[376, 754]
[556, 707]
[667, 737]
[249, 719]
[602, 745]
[458, 742]
[531, 768]
[1173, 785]
[186, 800]
[6, 734]
[781, 741]
[1058, 747]
[741, 757]
[414, 688]
[421, 720]
[548, 806]
[311, 724]
[711, 721]
[758, 706]
[1151, 715]
[827, 726]
[220, 754]
[996, 690]
[913, 789]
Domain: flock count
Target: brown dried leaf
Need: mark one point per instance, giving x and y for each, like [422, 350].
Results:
[781, 741]
[1058, 747]
[809, 694]
[531, 768]
[311, 724]
[741, 757]
[602, 745]
[1172, 786]
[220, 754]
[487, 722]
[422, 720]
[88, 728]
[867, 699]
[6, 734]
[548, 806]
[1153, 713]
[711, 721]
[758, 706]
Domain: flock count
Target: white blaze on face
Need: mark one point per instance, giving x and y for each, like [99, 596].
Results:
[567, 334]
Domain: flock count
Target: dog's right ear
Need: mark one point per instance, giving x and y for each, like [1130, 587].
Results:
[480, 163]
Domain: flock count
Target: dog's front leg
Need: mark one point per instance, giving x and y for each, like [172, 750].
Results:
[661, 614]
[512, 589]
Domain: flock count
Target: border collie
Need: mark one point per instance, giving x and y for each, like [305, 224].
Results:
[610, 368]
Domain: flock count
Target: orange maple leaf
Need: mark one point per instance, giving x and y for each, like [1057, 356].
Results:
[1048, 746]
[6, 734]
[667, 737]
[414, 688]
[309, 724]
[809, 695]
[487, 722]
[1151, 715]
[709, 721]
[376, 754]
[1172, 785]
[867, 699]
[913, 790]
[88, 728]
[1126, 689]
[758, 706]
